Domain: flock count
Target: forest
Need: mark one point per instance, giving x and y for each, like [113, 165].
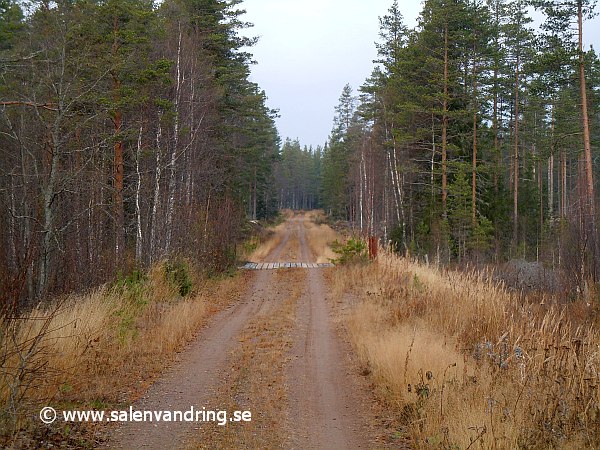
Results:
[474, 139]
[161, 245]
[129, 131]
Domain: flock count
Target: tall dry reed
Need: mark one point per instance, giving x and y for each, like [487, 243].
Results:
[101, 347]
[467, 364]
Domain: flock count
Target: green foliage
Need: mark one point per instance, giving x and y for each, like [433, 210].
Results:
[100, 78]
[337, 156]
[298, 176]
[11, 22]
[178, 274]
[483, 235]
[98, 404]
[397, 239]
[460, 211]
[418, 285]
[251, 244]
[132, 286]
[352, 252]
[133, 290]
[454, 83]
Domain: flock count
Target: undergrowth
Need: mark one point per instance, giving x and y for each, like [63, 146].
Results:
[352, 251]
[466, 364]
[87, 350]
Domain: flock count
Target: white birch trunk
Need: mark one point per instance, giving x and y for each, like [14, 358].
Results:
[360, 195]
[400, 188]
[156, 200]
[138, 212]
[173, 163]
[394, 188]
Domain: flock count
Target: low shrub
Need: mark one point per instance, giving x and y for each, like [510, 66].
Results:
[178, 274]
[352, 252]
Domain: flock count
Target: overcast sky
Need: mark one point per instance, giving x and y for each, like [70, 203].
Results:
[309, 49]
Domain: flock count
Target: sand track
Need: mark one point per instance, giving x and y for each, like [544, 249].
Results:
[327, 407]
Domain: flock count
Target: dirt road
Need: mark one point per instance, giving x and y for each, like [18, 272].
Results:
[279, 342]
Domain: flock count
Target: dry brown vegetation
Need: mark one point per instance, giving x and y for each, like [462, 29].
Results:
[319, 237]
[466, 364]
[103, 348]
[269, 244]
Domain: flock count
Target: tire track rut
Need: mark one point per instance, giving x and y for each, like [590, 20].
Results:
[325, 399]
[194, 376]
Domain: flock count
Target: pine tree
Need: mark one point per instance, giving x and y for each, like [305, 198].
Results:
[337, 157]
[564, 23]
[11, 22]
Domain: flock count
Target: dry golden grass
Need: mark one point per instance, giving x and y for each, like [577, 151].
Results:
[266, 247]
[105, 347]
[466, 364]
[319, 238]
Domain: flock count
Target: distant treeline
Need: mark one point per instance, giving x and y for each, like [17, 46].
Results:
[298, 176]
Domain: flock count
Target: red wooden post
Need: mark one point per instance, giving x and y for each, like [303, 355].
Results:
[373, 247]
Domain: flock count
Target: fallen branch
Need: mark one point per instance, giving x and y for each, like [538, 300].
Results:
[48, 106]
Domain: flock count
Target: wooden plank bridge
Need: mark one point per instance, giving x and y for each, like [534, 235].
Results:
[284, 265]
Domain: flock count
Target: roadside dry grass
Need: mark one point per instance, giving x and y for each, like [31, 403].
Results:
[319, 237]
[267, 246]
[256, 381]
[101, 349]
[466, 364]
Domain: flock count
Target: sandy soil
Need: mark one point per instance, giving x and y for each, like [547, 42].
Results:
[328, 407]
[325, 404]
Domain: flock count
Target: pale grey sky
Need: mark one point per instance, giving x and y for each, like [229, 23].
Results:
[309, 49]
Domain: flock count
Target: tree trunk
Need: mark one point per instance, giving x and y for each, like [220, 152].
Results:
[474, 169]
[154, 245]
[48, 232]
[590, 210]
[118, 180]
[541, 191]
[138, 211]
[563, 184]
[363, 188]
[551, 170]
[445, 127]
[516, 158]
[497, 153]
[27, 241]
[118, 167]
[12, 227]
[254, 197]
[173, 163]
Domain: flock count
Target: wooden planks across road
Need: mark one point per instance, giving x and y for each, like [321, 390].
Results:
[284, 265]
